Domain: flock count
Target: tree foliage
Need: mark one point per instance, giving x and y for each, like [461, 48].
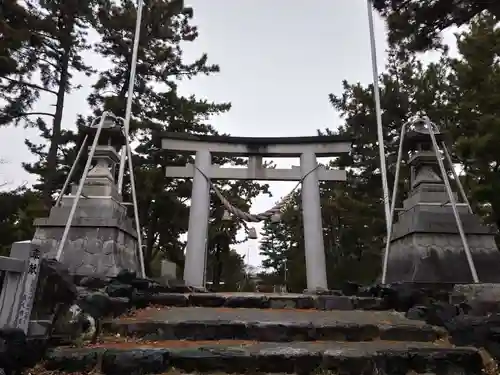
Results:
[158, 106]
[474, 98]
[46, 41]
[417, 24]
[19, 207]
[458, 94]
[45, 46]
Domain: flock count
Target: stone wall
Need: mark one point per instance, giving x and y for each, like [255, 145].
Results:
[89, 251]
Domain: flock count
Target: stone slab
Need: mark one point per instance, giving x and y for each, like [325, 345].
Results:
[168, 270]
[482, 291]
[267, 301]
[482, 299]
[182, 314]
[437, 220]
[101, 240]
[440, 258]
[249, 357]
[271, 325]
[99, 251]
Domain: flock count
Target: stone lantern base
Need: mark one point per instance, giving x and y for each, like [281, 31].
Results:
[102, 239]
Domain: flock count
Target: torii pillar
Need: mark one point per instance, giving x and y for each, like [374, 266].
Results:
[307, 148]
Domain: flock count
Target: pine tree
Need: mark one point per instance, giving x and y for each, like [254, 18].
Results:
[18, 47]
[18, 208]
[274, 246]
[353, 214]
[417, 24]
[59, 30]
[165, 25]
[158, 106]
[407, 88]
[282, 246]
[475, 99]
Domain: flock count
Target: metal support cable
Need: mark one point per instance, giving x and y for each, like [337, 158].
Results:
[128, 149]
[378, 113]
[130, 94]
[134, 201]
[73, 168]
[449, 191]
[78, 194]
[393, 204]
[455, 176]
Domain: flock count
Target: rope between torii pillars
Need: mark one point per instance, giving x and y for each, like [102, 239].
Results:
[255, 218]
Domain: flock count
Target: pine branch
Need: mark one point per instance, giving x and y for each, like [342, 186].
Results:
[39, 59]
[31, 114]
[32, 85]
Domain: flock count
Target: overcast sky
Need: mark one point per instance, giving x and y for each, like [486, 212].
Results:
[279, 61]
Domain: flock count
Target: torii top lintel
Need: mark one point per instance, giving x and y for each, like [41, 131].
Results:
[322, 146]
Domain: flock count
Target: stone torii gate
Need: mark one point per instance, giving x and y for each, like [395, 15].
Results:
[307, 148]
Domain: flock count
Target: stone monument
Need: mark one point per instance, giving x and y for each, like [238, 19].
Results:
[425, 244]
[102, 240]
[168, 270]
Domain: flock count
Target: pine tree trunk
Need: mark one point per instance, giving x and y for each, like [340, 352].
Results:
[49, 184]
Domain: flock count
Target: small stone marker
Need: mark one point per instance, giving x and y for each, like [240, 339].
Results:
[168, 270]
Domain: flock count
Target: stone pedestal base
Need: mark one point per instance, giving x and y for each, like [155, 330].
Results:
[101, 240]
[440, 258]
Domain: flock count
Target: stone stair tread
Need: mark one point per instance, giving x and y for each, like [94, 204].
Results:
[267, 300]
[198, 323]
[206, 314]
[238, 356]
[295, 347]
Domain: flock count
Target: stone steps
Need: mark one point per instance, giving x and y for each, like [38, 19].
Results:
[266, 333]
[275, 325]
[362, 358]
[277, 332]
[263, 301]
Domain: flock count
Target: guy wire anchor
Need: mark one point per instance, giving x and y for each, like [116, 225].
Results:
[423, 126]
[115, 134]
